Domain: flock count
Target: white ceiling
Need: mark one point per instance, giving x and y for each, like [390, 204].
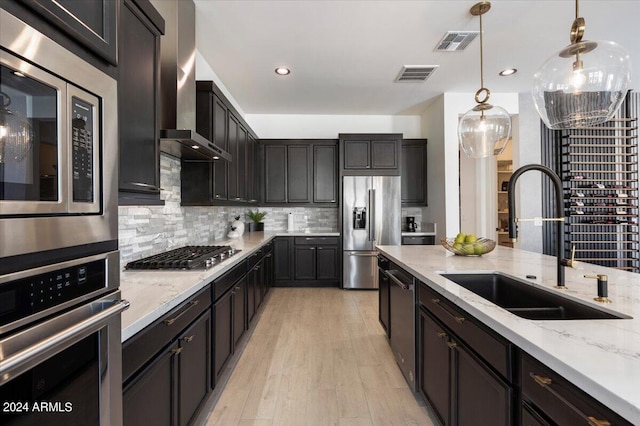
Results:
[345, 55]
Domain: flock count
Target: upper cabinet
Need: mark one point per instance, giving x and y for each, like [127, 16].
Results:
[141, 27]
[300, 172]
[219, 182]
[91, 23]
[370, 154]
[414, 172]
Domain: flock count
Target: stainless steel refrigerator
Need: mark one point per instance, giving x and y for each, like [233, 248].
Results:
[370, 217]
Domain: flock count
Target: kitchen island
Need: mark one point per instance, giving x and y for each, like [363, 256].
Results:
[601, 357]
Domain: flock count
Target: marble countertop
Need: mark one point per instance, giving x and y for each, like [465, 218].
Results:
[417, 234]
[602, 357]
[154, 293]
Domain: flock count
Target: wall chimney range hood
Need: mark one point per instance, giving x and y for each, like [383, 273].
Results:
[178, 86]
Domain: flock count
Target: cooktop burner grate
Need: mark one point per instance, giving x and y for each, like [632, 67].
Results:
[188, 257]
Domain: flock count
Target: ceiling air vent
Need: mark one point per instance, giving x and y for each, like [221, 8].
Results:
[416, 73]
[456, 41]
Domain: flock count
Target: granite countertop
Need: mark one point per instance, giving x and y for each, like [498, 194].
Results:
[602, 357]
[154, 293]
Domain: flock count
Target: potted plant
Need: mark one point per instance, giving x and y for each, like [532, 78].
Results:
[256, 223]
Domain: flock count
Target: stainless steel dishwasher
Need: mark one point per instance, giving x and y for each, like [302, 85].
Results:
[402, 320]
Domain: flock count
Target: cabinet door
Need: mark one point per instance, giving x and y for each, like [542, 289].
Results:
[241, 169]
[91, 23]
[259, 283]
[282, 253]
[480, 396]
[305, 262]
[232, 185]
[383, 300]
[251, 293]
[298, 174]
[138, 73]
[194, 368]
[150, 398]
[239, 310]
[327, 263]
[325, 173]
[220, 138]
[268, 272]
[356, 154]
[384, 154]
[275, 165]
[252, 194]
[414, 173]
[223, 341]
[434, 362]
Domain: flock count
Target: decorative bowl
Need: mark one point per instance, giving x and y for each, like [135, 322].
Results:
[478, 248]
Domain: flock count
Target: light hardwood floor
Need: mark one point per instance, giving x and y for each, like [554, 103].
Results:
[318, 357]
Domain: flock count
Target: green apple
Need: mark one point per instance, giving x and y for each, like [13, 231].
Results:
[468, 249]
[457, 246]
[460, 238]
[470, 238]
[478, 248]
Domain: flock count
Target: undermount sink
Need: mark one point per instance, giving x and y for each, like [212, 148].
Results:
[526, 301]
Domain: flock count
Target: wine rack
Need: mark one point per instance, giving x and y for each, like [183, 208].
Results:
[599, 169]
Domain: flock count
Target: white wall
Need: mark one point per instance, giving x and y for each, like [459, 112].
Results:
[433, 129]
[206, 73]
[308, 126]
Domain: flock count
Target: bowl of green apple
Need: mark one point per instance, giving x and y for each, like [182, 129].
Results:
[468, 245]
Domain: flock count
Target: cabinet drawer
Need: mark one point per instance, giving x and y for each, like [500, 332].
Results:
[325, 241]
[496, 351]
[226, 281]
[254, 258]
[138, 350]
[424, 240]
[558, 399]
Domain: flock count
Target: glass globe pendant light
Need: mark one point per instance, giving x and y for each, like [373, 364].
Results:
[484, 130]
[16, 133]
[583, 84]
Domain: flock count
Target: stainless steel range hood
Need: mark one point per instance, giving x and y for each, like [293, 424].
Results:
[178, 136]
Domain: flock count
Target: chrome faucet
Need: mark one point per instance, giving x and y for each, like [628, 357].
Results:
[513, 220]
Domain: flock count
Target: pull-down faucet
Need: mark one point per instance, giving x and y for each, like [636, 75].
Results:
[513, 220]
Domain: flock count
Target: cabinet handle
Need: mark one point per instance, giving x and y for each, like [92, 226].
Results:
[452, 345]
[332, 201]
[312, 248]
[442, 334]
[268, 255]
[187, 339]
[146, 185]
[457, 319]
[218, 195]
[174, 319]
[256, 268]
[546, 382]
[176, 351]
[319, 248]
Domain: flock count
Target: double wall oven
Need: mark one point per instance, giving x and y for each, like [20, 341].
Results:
[60, 349]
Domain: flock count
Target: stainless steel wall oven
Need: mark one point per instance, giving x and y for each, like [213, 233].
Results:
[60, 322]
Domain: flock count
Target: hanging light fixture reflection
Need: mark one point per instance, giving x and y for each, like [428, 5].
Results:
[485, 129]
[583, 84]
[16, 133]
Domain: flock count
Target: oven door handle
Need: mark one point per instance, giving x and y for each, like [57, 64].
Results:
[16, 361]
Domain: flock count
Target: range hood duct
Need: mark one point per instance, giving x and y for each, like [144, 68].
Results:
[178, 136]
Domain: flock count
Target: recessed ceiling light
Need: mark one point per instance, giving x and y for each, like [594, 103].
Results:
[508, 71]
[195, 147]
[283, 71]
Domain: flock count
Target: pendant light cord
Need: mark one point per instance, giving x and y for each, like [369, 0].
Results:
[577, 10]
[481, 56]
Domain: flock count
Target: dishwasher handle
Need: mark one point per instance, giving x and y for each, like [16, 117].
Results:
[391, 274]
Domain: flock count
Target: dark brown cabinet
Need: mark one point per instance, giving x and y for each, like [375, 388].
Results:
[300, 172]
[434, 366]
[166, 367]
[240, 312]
[223, 332]
[139, 74]
[93, 24]
[300, 261]
[414, 172]
[325, 166]
[370, 154]
[219, 182]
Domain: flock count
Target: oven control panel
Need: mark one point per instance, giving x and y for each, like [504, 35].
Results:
[27, 296]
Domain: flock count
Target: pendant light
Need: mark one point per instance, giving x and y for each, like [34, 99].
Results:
[485, 129]
[583, 84]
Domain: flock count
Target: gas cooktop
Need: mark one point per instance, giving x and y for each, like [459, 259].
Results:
[188, 257]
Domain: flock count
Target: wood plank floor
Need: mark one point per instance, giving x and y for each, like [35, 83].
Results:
[318, 357]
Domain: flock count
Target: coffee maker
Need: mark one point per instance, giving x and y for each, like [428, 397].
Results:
[410, 224]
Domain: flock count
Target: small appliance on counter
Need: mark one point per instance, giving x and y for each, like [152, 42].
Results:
[410, 224]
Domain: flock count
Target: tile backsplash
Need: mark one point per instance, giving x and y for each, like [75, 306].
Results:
[148, 230]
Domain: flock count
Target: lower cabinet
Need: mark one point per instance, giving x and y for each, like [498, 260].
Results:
[172, 386]
[306, 261]
[223, 332]
[434, 366]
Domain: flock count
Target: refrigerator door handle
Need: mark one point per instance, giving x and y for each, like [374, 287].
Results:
[372, 214]
[375, 254]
